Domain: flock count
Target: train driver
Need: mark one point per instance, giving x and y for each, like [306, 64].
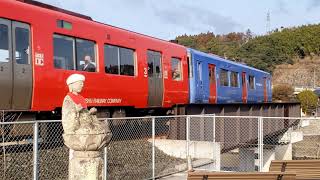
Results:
[88, 65]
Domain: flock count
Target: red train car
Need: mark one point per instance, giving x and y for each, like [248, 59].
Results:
[41, 45]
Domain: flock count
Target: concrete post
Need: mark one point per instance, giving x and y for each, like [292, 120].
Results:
[85, 165]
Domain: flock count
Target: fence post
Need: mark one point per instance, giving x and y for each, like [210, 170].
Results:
[3, 147]
[153, 147]
[105, 161]
[35, 151]
[216, 147]
[214, 128]
[260, 143]
[189, 161]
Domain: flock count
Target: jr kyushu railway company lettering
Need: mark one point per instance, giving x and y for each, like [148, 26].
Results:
[104, 100]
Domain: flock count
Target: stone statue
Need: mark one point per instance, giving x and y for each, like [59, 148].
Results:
[84, 134]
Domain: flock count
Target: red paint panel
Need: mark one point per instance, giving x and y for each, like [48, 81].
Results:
[212, 84]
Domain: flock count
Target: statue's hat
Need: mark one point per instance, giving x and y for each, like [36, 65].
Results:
[74, 78]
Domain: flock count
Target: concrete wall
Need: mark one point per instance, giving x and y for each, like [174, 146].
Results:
[197, 149]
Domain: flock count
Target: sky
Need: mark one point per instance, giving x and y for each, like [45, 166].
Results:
[167, 19]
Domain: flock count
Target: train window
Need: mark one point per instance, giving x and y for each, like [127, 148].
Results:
[4, 43]
[157, 64]
[224, 80]
[200, 71]
[126, 62]
[234, 79]
[111, 59]
[251, 82]
[176, 69]
[86, 60]
[63, 50]
[150, 68]
[212, 74]
[119, 60]
[22, 45]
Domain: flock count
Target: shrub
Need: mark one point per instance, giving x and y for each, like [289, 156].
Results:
[283, 92]
[308, 100]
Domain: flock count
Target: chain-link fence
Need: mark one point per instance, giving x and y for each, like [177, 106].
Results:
[154, 147]
[289, 138]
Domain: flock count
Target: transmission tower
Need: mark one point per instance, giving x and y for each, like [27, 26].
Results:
[268, 23]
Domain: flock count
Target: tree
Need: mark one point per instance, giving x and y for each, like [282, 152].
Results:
[248, 36]
[263, 52]
[308, 100]
[282, 92]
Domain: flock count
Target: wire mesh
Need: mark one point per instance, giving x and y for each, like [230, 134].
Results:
[16, 160]
[301, 138]
[170, 145]
[53, 154]
[216, 143]
[227, 142]
[130, 150]
[308, 148]
[287, 138]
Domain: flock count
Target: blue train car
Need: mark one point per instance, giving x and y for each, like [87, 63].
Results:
[213, 79]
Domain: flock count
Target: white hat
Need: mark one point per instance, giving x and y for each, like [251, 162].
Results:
[74, 78]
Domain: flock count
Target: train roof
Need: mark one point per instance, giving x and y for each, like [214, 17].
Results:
[88, 18]
[216, 57]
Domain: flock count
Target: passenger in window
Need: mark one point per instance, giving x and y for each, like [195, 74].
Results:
[88, 65]
[175, 74]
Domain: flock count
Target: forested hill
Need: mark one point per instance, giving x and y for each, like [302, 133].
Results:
[263, 52]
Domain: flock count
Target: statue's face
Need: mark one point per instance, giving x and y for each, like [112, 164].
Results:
[77, 86]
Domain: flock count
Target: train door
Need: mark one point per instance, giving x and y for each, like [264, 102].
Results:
[155, 81]
[199, 83]
[15, 65]
[265, 93]
[5, 64]
[212, 84]
[244, 88]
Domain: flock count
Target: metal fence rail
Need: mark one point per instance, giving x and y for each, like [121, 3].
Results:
[153, 147]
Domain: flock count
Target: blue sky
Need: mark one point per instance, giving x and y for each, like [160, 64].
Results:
[167, 19]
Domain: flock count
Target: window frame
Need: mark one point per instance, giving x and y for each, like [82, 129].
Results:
[227, 77]
[134, 56]
[254, 82]
[7, 57]
[237, 79]
[179, 60]
[74, 52]
[212, 74]
[95, 62]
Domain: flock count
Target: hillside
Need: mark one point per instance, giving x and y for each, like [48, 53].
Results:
[302, 73]
[263, 52]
